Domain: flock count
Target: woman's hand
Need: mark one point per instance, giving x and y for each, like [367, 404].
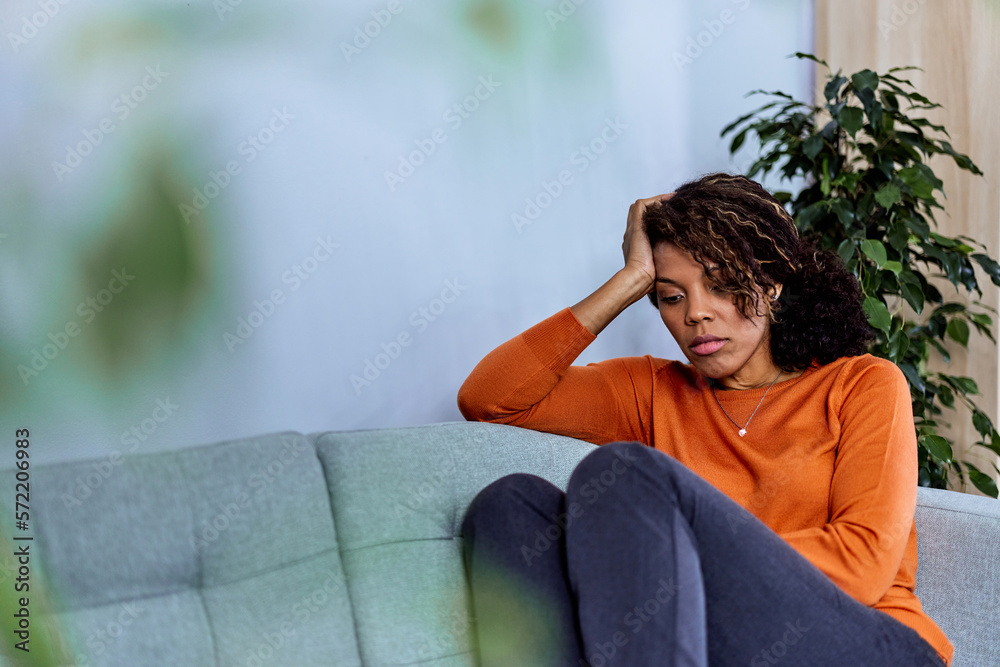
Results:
[631, 283]
[635, 244]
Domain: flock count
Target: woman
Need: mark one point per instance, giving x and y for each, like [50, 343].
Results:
[754, 506]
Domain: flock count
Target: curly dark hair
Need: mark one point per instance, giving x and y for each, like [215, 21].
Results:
[735, 224]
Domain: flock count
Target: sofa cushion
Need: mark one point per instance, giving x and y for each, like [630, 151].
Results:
[224, 554]
[958, 571]
[398, 497]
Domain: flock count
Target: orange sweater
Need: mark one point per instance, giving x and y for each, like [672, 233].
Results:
[828, 462]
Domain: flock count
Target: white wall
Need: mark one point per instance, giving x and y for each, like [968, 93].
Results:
[556, 87]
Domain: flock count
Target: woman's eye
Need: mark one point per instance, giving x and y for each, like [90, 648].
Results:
[670, 299]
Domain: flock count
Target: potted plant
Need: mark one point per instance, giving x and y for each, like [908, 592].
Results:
[869, 193]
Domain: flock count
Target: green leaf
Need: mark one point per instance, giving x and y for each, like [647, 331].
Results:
[848, 180]
[982, 423]
[843, 209]
[893, 266]
[900, 343]
[991, 268]
[982, 481]
[875, 251]
[812, 146]
[945, 241]
[907, 68]
[982, 319]
[913, 295]
[898, 235]
[887, 195]
[913, 377]
[832, 89]
[918, 182]
[947, 396]
[961, 160]
[738, 140]
[851, 119]
[918, 225]
[800, 55]
[966, 385]
[875, 113]
[867, 99]
[846, 250]
[994, 444]
[958, 331]
[939, 447]
[865, 80]
[878, 314]
[732, 126]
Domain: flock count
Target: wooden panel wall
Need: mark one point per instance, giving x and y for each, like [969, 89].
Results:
[957, 44]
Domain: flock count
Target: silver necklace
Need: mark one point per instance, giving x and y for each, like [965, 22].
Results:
[743, 429]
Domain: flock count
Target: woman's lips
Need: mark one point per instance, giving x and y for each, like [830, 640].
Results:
[708, 347]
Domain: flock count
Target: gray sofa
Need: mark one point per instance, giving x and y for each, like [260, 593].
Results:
[342, 549]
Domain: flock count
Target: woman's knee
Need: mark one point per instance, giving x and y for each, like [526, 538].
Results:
[509, 492]
[608, 463]
[617, 466]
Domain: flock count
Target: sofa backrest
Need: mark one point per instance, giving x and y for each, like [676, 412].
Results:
[958, 571]
[216, 555]
[398, 498]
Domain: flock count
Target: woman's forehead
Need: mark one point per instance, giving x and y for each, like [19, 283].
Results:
[672, 258]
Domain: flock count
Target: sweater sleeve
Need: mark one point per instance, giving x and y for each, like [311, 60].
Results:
[529, 382]
[873, 493]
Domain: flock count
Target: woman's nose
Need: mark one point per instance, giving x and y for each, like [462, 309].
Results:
[698, 307]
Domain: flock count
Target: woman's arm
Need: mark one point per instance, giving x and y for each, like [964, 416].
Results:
[529, 380]
[610, 299]
[874, 487]
[631, 283]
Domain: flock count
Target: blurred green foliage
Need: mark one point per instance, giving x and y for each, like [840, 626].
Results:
[147, 237]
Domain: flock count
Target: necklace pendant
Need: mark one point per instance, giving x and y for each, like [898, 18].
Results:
[743, 431]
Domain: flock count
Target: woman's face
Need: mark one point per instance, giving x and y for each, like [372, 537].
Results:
[714, 335]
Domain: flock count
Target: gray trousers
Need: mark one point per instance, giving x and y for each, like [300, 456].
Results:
[642, 562]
